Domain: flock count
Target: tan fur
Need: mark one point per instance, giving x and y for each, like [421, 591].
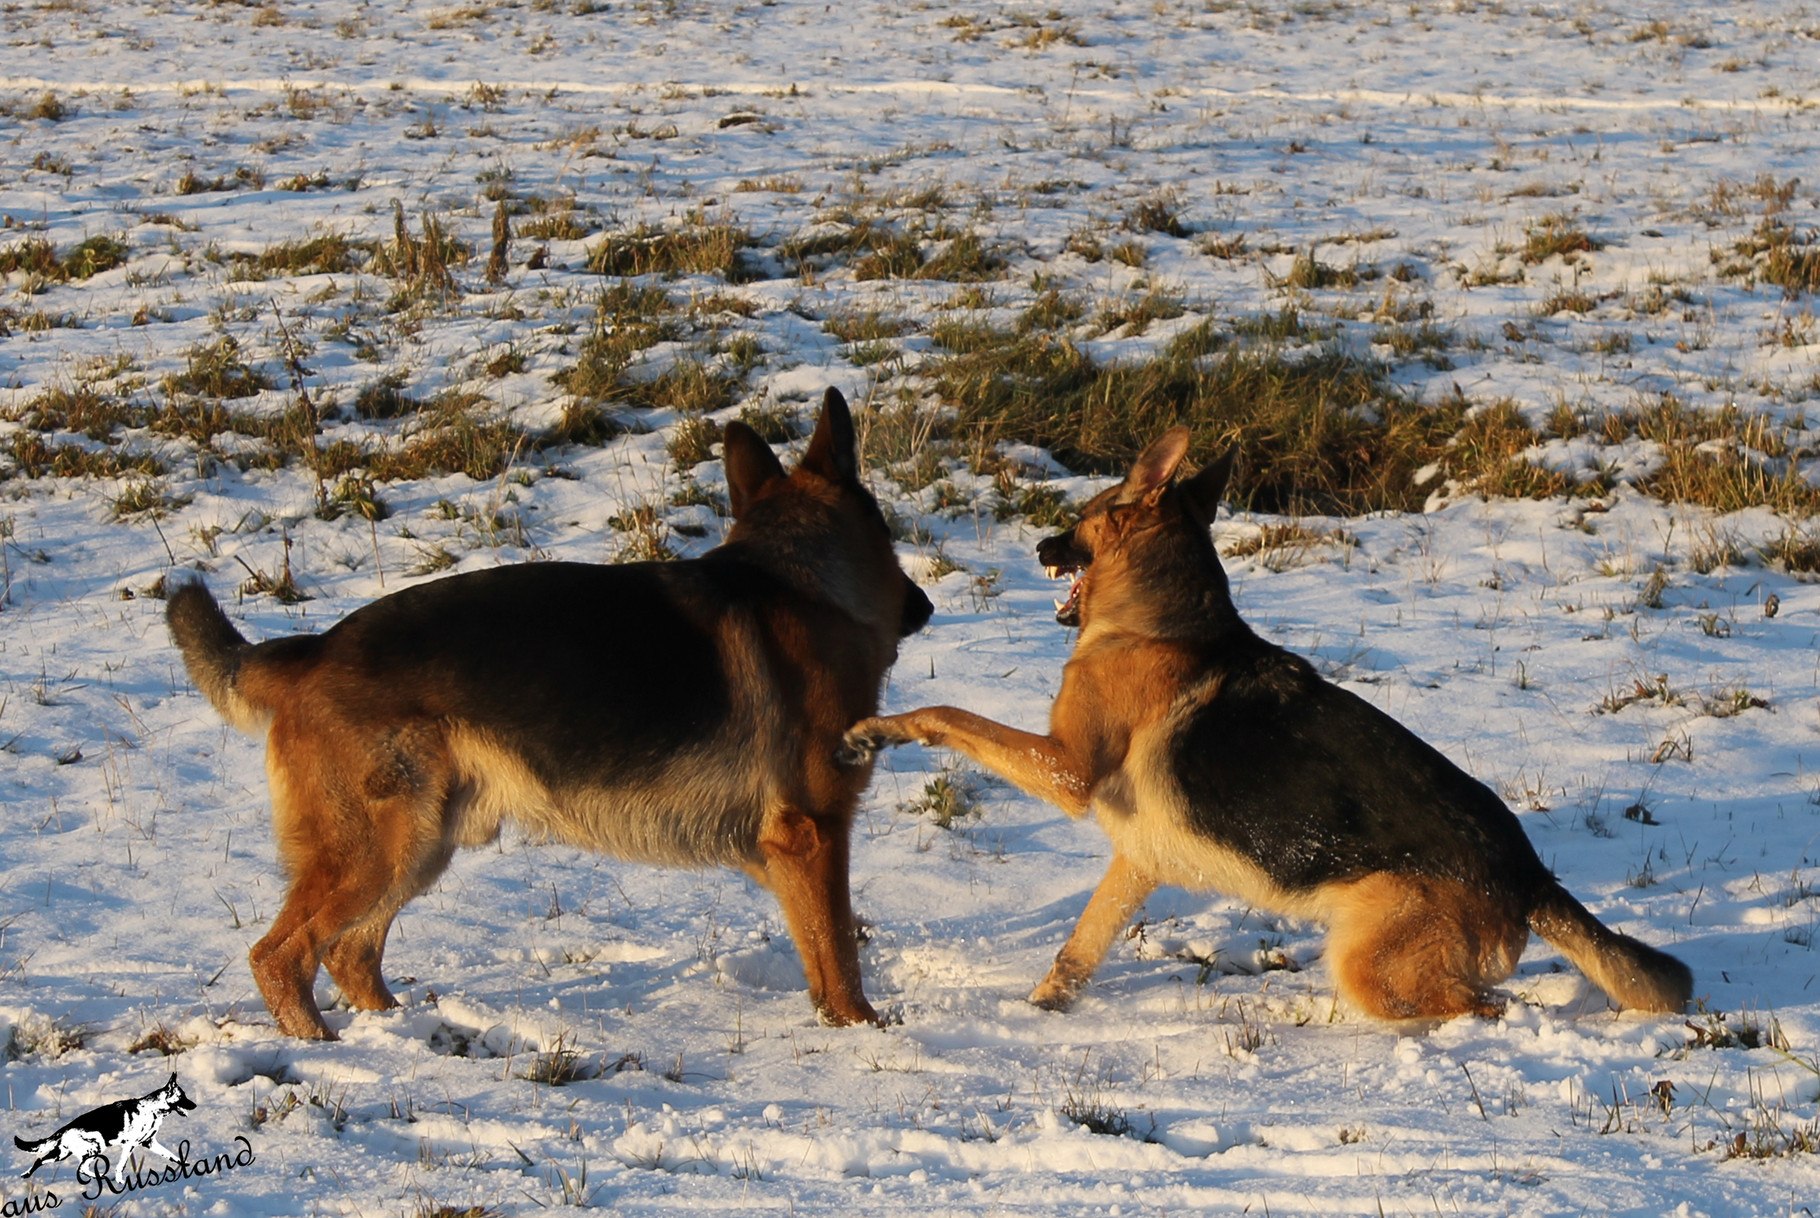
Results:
[1405, 947]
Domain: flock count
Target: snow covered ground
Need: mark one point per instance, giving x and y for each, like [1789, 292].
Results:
[1649, 710]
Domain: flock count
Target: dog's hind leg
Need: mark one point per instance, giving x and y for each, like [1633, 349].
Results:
[1407, 947]
[805, 861]
[354, 959]
[359, 842]
[1118, 896]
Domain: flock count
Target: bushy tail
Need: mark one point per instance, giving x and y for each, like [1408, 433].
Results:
[212, 652]
[28, 1147]
[1634, 974]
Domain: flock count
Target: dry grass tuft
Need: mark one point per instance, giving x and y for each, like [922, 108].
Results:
[1323, 433]
[702, 249]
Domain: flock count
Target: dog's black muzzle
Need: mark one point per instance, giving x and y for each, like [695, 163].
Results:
[918, 609]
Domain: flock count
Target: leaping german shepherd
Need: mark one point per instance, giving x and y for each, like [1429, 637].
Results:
[683, 713]
[1216, 760]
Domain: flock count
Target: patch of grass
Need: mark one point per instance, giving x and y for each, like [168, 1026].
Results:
[864, 326]
[775, 423]
[162, 1039]
[79, 408]
[691, 442]
[1718, 1030]
[325, 254]
[357, 495]
[1290, 544]
[628, 319]
[93, 256]
[966, 334]
[385, 398]
[647, 537]
[35, 457]
[1133, 254]
[560, 1065]
[1795, 550]
[1158, 213]
[281, 587]
[1309, 273]
[965, 259]
[37, 258]
[945, 799]
[700, 249]
[906, 441]
[1053, 310]
[217, 370]
[874, 248]
[422, 265]
[1486, 456]
[556, 220]
[1556, 236]
[1722, 459]
[1134, 314]
[1775, 253]
[1570, 301]
[689, 386]
[1045, 507]
[144, 499]
[34, 256]
[582, 423]
[456, 438]
[1323, 433]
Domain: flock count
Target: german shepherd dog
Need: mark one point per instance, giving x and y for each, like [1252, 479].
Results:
[1216, 760]
[130, 1123]
[681, 713]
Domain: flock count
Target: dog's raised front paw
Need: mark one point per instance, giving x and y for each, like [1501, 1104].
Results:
[863, 741]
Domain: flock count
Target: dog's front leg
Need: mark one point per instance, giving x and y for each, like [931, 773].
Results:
[1038, 765]
[1121, 891]
[805, 865]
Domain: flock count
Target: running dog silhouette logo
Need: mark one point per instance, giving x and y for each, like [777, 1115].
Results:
[129, 1124]
[125, 1126]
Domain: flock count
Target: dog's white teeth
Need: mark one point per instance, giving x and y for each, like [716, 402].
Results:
[1052, 572]
[1060, 605]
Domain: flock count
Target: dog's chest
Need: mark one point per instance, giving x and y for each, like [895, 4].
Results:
[141, 1122]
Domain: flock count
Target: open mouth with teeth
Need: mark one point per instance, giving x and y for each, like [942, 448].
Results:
[1068, 610]
[1062, 556]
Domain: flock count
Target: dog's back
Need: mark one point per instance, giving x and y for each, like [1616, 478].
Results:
[1318, 786]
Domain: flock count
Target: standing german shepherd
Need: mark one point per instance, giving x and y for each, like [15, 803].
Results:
[684, 713]
[1216, 760]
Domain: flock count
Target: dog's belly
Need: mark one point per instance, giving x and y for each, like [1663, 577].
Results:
[695, 811]
[1143, 811]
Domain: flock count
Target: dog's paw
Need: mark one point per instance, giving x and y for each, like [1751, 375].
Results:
[1053, 995]
[862, 743]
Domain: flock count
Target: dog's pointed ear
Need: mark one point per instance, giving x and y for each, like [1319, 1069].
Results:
[750, 465]
[831, 450]
[1156, 465]
[1202, 493]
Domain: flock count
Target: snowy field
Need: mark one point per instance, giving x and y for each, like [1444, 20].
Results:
[221, 219]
